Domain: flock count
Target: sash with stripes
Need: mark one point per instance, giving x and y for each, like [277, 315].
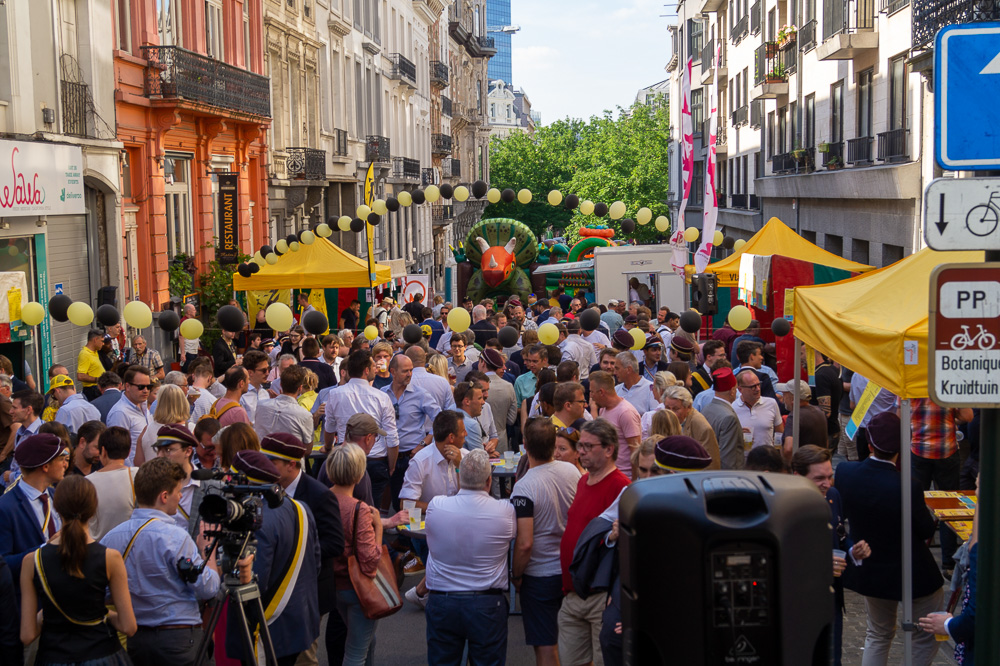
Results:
[131, 542]
[48, 592]
[275, 600]
[697, 376]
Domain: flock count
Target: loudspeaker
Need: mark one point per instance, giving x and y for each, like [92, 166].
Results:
[704, 287]
[723, 568]
[107, 296]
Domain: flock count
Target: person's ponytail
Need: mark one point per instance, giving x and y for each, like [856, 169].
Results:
[76, 502]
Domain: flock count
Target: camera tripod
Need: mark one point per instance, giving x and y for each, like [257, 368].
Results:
[244, 598]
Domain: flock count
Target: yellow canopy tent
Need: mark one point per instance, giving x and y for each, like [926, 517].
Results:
[778, 238]
[866, 321]
[317, 266]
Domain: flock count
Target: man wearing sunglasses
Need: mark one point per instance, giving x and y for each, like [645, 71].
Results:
[131, 411]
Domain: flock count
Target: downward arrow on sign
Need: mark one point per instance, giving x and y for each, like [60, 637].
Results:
[941, 224]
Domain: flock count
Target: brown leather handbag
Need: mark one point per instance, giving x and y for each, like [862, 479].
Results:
[379, 596]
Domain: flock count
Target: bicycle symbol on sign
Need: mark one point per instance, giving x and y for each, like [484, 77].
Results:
[982, 339]
[982, 220]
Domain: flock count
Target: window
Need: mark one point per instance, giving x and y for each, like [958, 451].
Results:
[746, 87]
[837, 112]
[735, 94]
[781, 130]
[698, 185]
[696, 38]
[809, 236]
[897, 93]
[359, 101]
[770, 134]
[246, 35]
[891, 254]
[213, 29]
[475, 22]
[326, 102]
[493, 110]
[859, 251]
[865, 103]
[177, 194]
[168, 22]
[697, 109]
[123, 25]
[834, 244]
[794, 140]
[809, 130]
[772, 26]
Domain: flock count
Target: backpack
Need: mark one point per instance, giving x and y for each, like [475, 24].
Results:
[215, 413]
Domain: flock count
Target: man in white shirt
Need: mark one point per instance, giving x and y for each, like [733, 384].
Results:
[575, 348]
[358, 397]
[257, 365]
[631, 385]
[758, 415]
[131, 411]
[468, 536]
[438, 388]
[284, 413]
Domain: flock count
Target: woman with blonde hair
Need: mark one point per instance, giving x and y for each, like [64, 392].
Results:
[662, 380]
[664, 424]
[644, 458]
[678, 400]
[308, 398]
[438, 365]
[235, 438]
[171, 407]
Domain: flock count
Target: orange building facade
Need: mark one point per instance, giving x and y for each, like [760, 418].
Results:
[191, 105]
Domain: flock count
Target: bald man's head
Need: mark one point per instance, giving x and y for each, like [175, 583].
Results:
[417, 355]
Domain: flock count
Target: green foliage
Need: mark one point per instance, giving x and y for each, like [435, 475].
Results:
[607, 159]
[181, 282]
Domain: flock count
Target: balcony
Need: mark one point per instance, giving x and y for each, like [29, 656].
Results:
[403, 70]
[755, 17]
[798, 161]
[305, 164]
[173, 73]
[859, 151]
[848, 29]
[404, 168]
[459, 23]
[756, 113]
[441, 144]
[807, 36]
[711, 5]
[770, 71]
[722, 141]
[442, 213]
[893, 6]
[340, 145]
[740, 30]
[710, 60]
[739, 117]
[428, 177]
[446, 106]
[481, 47]
[77, 109]
[892, 146]
[744, 201]
[929, 16]
[439, 75]
[833, 156]
[451, 167]
[377, 149]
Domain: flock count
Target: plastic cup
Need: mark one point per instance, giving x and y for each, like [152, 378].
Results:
[840, 553]
[508, 459]
[415, 518]
[409, 505]
[940, 637]
[747, 440]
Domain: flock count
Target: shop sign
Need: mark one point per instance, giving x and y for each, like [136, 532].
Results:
[38, 178]
[229, 219]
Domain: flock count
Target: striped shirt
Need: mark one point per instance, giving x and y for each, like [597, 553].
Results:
[932, 429]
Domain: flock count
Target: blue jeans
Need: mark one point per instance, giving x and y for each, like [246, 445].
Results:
[359, 649]
[452, 620]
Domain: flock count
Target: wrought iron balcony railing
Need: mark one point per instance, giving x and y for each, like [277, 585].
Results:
[305, 164]
[439, 73]
[340, 146]
[377, 149]
[427, 177]
[755, 18]
[77, 114]
[892, 145]
[929, 16]
[404, 167]
[175, 73]
[451, 167]
[442, 213]
[441, 144]
[756, 113]
[771, 64]
[740, 30]
[834, 154]
[807, 36]
[403, 69]
[859, 150]
[446, 105]
[847, 16]
[739, 117]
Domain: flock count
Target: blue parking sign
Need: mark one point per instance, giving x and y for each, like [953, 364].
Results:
[967, 111]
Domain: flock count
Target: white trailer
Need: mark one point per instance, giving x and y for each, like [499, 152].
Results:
[615, 267]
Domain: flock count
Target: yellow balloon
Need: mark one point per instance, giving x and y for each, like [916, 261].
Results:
[739, 317]
[639, 339]
[378, 206]
[617, 210]
[191, 329]
[282, 246]
[371, 332]
[308, 237]
[431, 194]
[524, 196]
[271, 258]
[691, 234]
[555, 197]
[548, 334]
[587, 207]
[738, 245]
[294, 246]
[717, 238]
[644, 215]
[324, 230]
[344, 223]
[32, 313]
[662, 224]
[461, 193]
[459, 320]
[363, 212]
[80, 314]
[257, 258]
[278, 316]
[493, 195]
[403, 198]
[137, 314]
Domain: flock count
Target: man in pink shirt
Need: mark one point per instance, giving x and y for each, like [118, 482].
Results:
[228, 409]
[620, 413]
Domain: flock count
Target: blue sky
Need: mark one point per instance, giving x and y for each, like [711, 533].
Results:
[578, 57]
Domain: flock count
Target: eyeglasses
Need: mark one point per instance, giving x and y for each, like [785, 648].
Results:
[263, 369]
[752, 387]
[142, 387]
[584, 446]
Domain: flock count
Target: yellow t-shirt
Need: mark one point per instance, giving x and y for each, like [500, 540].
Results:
[89, 363]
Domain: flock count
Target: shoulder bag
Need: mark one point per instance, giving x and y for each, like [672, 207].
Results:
[379, 596]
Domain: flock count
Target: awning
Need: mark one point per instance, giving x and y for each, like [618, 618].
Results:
[321, 265]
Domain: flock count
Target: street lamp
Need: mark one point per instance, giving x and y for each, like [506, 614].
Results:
[506, 29]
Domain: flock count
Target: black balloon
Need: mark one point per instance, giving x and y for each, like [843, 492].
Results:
[298, 236]
[691, 321]
[266, 250]
[479, 189]
[357, 225]
[728, 242]
[254, 267]
[108, 315]
[391, 204]
[508, 336]
[168, 320]
[231, 318]
[58, 305]
[315, 322]
[418, 196]
[508, 195]
[291, 238]
[244, 270]
[781, 327]
[628, 225]
[572, 201]
[447, 191]
[412, 334]
[600, 209]
[590, 319]
[374, 219]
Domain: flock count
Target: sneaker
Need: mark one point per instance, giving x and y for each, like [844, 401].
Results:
[414, 567]
[415, 599]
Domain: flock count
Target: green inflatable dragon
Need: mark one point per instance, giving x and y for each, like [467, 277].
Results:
[504, 250]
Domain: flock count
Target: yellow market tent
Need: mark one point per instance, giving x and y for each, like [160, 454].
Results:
[319, 265]
[777, 238]
[866, 322]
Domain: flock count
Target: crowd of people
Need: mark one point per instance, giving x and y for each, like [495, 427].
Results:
[105, 548]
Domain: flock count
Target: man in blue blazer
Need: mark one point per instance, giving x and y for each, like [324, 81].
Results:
[870, 491]
[27, 518]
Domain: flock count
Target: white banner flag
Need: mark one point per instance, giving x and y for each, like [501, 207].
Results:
[679, 257]
[711, 206]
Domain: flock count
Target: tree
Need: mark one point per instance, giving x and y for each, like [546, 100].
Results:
[607, 159]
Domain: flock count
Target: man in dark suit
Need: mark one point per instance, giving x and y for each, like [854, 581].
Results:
[287, 566]
[311, 361]
[224, 353]
[111, 392]
[27, 518]
[870, 491]
[285, 452]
